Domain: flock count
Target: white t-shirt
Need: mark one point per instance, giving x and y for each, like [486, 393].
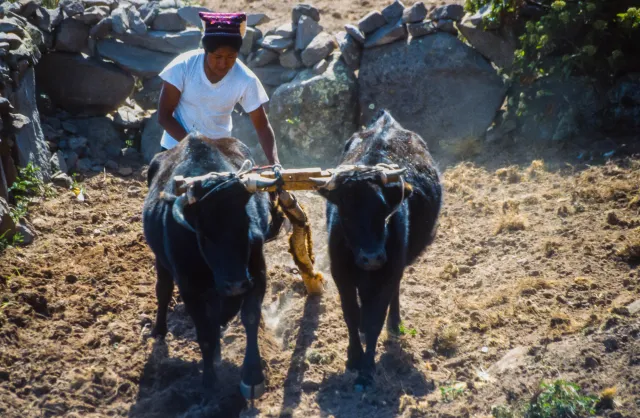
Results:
[204, 106]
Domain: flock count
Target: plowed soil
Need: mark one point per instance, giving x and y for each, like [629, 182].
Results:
[531, 277]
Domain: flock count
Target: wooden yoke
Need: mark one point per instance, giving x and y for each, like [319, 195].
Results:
[294, 179]
[297, 178]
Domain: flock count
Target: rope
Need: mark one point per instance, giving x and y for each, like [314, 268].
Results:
[397, 208]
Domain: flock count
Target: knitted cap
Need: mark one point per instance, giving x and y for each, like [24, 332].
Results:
[224, 24]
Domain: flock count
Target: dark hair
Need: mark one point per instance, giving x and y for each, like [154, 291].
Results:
[211, 42]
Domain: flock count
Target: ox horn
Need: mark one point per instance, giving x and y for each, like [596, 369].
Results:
[178, 212]
[323, 183]
[390, 176]
[255, 183]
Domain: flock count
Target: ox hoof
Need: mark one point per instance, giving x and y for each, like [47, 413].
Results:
[362, 384]
[252, 392]
[159, 332]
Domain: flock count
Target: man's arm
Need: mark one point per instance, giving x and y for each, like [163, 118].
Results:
[265, 134]
[169, 98]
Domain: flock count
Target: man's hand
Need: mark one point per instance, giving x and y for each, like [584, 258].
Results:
[265, 134]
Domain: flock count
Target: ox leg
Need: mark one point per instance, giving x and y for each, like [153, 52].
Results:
[252, 385]
[375, 303]
[164, 290]
[197, 308]
[393, 320]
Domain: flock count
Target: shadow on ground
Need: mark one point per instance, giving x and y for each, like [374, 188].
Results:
[396, 375]
[306, 336]
[173, 387]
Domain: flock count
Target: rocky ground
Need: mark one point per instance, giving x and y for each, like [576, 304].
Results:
[533, 276]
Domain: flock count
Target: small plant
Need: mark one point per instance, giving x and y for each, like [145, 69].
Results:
[407, 331]
[5, 242]
[450, 393]
[27, 186]
[560, 399]
[502, 411]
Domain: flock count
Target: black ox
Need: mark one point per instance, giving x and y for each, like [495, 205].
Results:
[379, 220]
[209, 239]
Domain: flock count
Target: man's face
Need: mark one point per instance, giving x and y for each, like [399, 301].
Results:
[221, 60]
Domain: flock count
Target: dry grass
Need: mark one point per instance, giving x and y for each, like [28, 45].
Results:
[450, 271]
[634, 203]
[446, 340]
[510, 222]
[496, 300]
[535, 283]
[550, 248]
[630, 250]
[465, 179]
[536, 168]
[595, 187]
[509, 174]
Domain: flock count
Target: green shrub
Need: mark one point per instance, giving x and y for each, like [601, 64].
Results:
[560, 399]
[598, 39]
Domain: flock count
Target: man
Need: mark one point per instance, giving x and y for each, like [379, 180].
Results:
[201, 88]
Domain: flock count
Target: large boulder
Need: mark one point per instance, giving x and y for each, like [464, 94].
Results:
[315, 114]
[32, 147]
[163, 41]
[151, 136]
[79, 84]
[435, 85]
[138, 61]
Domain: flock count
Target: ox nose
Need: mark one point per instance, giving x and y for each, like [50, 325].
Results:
[371, 261]
[236, 288]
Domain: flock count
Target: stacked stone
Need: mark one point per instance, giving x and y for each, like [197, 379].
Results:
[278, 55]
[394, 24]
[21, 46]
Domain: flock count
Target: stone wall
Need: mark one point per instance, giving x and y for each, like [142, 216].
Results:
[79, 83]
